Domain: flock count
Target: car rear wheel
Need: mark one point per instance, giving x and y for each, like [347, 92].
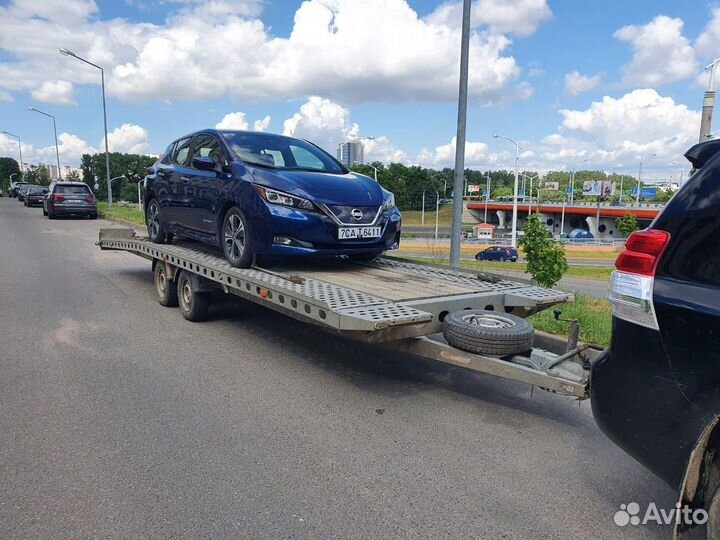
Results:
[50, 214]
[237, 239]
[487, 332]
[155, 228]
[164, 287]
[193, 305]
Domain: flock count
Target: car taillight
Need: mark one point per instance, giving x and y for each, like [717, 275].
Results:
[631, 285]
[90, 198]
[57, 198]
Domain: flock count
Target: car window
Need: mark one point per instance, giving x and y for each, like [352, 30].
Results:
[205, 145]
[304, 159]
[72, 190]
[182, 152]
[168, 154]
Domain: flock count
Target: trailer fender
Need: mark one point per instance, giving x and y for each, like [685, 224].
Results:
[702, 476]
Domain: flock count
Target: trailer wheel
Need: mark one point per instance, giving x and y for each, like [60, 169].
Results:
[488, 332]
[193, 305]
[164, 287]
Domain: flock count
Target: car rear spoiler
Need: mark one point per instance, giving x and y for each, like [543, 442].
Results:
[701, 153]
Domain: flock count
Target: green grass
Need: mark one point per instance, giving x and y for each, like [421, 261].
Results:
[413, 218]
[121, 211]
[594, 314]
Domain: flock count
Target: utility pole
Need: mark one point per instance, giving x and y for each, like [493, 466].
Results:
[708, 103]
[487, 194]
[458, 202]
[513, 240]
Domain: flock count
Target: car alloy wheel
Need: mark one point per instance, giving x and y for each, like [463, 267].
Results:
[236, 239]
[153, 221]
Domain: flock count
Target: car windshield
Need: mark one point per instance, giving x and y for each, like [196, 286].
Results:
[35, 190]
[278, 152]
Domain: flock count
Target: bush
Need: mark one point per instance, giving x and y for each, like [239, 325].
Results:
[546, 261]
[627, 224]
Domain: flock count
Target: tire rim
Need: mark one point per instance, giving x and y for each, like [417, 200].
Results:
[488, 321]
[186, 295]
[161, 283]
[153, 220]
[234, 237]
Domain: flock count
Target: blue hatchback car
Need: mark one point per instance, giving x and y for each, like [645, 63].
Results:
[254, 193]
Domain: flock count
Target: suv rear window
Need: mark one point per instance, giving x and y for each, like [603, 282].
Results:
[69, 190]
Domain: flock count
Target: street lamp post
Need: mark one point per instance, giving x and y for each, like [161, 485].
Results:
[639, 180]
[19, 149]
[515, 195]
[531, 177]
[708, 102]
[66, 52]
[57, 152]
[487, 194]
[562, 218]
[367, 164]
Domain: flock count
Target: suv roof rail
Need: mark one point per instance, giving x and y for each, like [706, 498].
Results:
[699, 154]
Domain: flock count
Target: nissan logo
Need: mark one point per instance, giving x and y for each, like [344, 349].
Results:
[356, 214]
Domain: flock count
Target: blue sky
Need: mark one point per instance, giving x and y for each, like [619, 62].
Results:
[383, 68]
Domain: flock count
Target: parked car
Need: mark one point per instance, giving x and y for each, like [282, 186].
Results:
[14, 187]
[21, 190]
[257, 193]
[497, 253]
[34, 196]
[69, 198]
[656, 389]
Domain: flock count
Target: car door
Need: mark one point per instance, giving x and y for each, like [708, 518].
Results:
[207, 186]
[174, 211]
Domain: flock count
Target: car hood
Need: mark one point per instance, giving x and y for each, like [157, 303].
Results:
[350, 188]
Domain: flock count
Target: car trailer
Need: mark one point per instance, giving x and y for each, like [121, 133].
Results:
[419, 309]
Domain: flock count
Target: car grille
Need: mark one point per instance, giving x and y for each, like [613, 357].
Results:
[345, 214]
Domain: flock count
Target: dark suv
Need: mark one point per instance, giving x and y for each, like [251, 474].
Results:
[69, 198]
[656, 390]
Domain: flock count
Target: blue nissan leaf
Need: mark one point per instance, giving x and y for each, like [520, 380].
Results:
[254, 193]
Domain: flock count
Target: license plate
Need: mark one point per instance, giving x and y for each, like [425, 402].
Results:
[354, 233]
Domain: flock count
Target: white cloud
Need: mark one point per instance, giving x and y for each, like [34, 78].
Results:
[396, 55]
[613, 131]
[238, 120]
[57, 93]
[128, 138]
[233, 120]
[706, 44]
[262, 124]
[323, 122]
[661, 54]
[577, 83]
[476, 155]
[521, 17]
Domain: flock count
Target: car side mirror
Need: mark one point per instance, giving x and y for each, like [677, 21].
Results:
[204, 163]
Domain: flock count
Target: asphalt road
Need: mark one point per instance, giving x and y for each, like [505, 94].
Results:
[118, 419]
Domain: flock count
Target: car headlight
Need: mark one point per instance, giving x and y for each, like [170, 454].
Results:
[284, 199]
[389, 201]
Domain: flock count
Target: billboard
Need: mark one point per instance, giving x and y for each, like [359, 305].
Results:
[598, 188]
[552, 186]
[473, 188]
[648, 193]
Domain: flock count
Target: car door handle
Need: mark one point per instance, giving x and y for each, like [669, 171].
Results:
[184, 179]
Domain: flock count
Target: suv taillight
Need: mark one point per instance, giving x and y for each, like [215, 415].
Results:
[57, 198]
[90, 198]
[631, 285]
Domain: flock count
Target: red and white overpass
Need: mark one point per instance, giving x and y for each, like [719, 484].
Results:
[600, 220]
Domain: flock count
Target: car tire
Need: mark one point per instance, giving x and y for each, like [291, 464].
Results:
[236, 239]
[488, 332]
[503, 259]
[50, 215]
[165, 289]
[45, 212]
[93, 216]
[478, 257]
[193, 305]
[155, 227]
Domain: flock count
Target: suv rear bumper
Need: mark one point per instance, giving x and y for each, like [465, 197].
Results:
[87, 210]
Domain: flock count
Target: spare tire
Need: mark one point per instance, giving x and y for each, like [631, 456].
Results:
[488, 332]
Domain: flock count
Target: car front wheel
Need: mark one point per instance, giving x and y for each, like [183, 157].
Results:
[236, 239]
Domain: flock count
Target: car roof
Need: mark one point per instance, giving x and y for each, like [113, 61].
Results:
[69, 183]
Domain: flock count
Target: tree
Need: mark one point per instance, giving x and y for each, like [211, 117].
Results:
[546, 261]
[8, 166]
[72, 176]
[627, 224]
